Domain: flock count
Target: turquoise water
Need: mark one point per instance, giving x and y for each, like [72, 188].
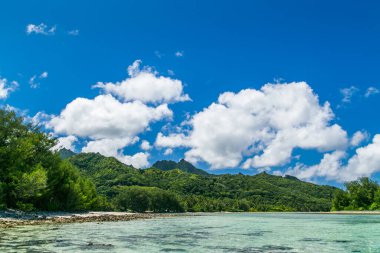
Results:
[209, 233]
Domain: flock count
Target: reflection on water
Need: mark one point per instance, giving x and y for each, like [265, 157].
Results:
[210, 233]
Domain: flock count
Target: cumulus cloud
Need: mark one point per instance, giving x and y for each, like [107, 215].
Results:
[114, 147]
[106, 117]
[358, 138]
[364, 163]
[348, 93]
[329, 167]
[66, 142]
[172, 140]
[146, 86]
[168, 151]
[145, 145]
[264, 125]
[111, 122]
[7, 88]
[40, 29]
[371, 91]
[138, 160]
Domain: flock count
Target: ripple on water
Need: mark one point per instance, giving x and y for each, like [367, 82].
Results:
[265, 248]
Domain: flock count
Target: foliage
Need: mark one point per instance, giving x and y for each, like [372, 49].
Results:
[32, 176]
[181, 165]
[141, 199]
[65, 153]
[362, 194]
[262, 192]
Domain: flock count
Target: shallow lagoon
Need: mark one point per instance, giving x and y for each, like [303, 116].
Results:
[243, 232]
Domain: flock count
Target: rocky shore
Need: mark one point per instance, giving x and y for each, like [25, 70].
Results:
[14, 218]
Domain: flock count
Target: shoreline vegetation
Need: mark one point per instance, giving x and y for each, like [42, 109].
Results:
[34, 177]
[13, 218]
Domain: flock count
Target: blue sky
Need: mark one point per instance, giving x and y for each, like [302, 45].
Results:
[223, 46]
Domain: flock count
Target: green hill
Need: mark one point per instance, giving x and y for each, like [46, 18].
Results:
[261, 192]
[181, 165]
[65, 153]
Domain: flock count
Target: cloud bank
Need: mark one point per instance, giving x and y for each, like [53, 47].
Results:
[112, 121]
[264, 125]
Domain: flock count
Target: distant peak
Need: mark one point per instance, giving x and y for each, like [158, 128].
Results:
[182, 165]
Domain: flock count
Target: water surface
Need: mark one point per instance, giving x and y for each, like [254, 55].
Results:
[270, 232]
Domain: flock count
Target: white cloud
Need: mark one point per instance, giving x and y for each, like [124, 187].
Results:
[66, 142]
[371, 91]
[44, 75]
[145, 145]
[168, 151]
[179, 53]
[7, 88]
[111, 122]
[106, 117]
[329, 167]
[144, 85]
[74, 32]
[172, 140]
[264, 125]
[33, 80]
[114, 147]
[40, 29]
[171, 72]
[364, 163]
[348, 93]
[358, 138]
[138, 160]
[41, 119]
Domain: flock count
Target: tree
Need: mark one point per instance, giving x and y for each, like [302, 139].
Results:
[340, 200]
[32, 176]
[361, 192]
[132, 198]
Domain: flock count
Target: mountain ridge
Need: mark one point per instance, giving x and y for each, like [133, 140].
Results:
[183, 165]
[199, 193]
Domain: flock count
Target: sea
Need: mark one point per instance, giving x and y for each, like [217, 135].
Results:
[221, 232]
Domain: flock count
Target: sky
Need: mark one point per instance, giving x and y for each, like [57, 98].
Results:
[286, 87]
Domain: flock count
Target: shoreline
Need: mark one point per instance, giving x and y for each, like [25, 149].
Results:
[15, 219]
[12, 218]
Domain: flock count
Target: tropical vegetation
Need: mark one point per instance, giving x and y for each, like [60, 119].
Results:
[35, 177]
[362, 194]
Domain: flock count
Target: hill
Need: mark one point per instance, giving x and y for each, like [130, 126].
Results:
[261, 192]
[181, 165]
[65, 153]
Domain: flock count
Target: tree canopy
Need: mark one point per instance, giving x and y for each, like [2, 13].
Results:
[362, 194]
[32, 176]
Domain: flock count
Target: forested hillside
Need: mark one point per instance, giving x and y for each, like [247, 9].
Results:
[33, 177]
[181, 165]
[262, 192]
